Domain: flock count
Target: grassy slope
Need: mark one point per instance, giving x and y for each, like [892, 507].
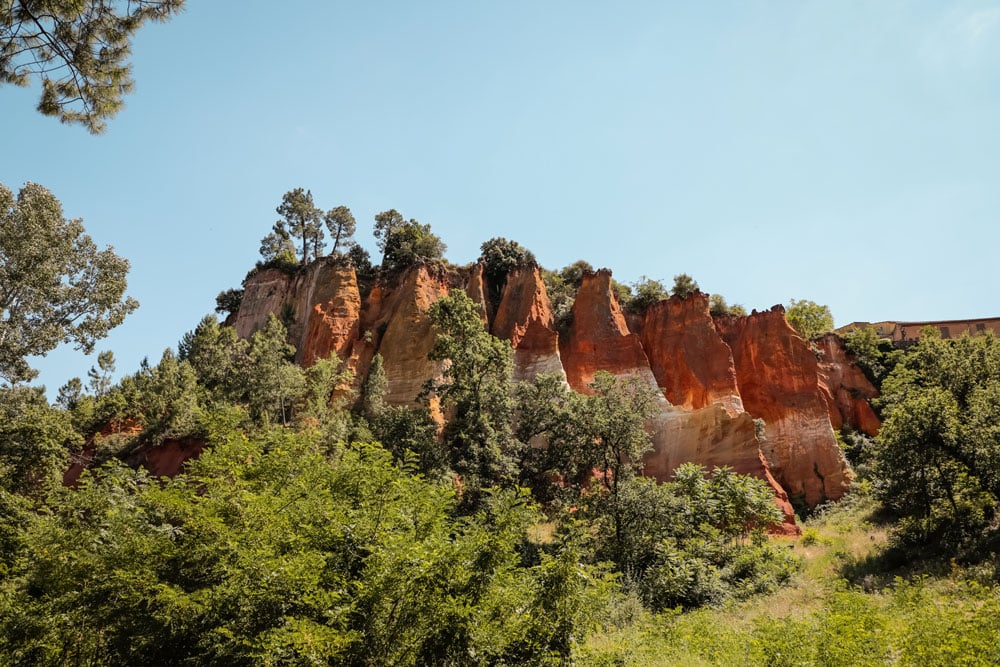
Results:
[878, 618]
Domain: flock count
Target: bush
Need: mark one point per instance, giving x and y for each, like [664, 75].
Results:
[684, 286]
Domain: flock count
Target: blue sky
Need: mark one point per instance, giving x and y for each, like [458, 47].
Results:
[844, 152]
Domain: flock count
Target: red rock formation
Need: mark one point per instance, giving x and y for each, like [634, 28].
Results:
[524, 317]
[264, 293]
[711, 437]
[331, 306]
[322, 303]
[691, 362]
[846, 389]
[167, 458]
[401, 330]
[599, 338]
[476, 290]
[778, 377]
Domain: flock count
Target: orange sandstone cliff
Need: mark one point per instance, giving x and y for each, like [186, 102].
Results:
[714, 376]
[845, 388]
[691, 362]
[778, 378]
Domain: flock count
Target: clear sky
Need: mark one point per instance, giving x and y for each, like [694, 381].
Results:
[845, 152]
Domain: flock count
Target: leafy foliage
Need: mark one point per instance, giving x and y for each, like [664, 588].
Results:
[717, 306]
[79, 51]
[341, 225]
[876, 356]
[809, 318]
[300, 220]
[55, 284]
[499, 257]
[405, 243]
[477, 391]
[684, 286]
[646, 292]
[937, 456]
[269, 552]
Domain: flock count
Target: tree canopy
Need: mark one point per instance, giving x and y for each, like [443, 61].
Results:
[809, 318]
[78, 50]
[55, 284]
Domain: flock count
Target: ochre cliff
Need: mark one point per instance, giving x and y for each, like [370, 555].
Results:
[714, 376]
[524, 317]
[397, 322]
[321, 306]
[691, 362]
[845, 388]
[599, 338]
[778, 378]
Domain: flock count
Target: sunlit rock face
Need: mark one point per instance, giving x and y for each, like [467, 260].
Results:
[264, 293]
[714, 375]
[320, 306]
[845, 388]
[397, 322]
[778, 378]
[599, 338]
[524, 317]
[691, 362]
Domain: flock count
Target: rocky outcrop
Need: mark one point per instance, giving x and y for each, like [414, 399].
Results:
[714, 377]
[320, 305]
[712, 438]
[599, 338]
[397, 322]
[691, 362]
[265, 293]
[524, 317]
[778, 378]
[845, 388]
[167, 458]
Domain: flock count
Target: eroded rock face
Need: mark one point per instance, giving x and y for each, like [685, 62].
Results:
[778, 379]
[846, 389]
[401, 331]
[168, 458]
[709, 371]
[330, 303]
[599, 338]
[263, 294]
[321, 306]
[689, 359]
[711, 437]
[524, 317]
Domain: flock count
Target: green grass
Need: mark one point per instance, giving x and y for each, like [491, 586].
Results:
[842, 608]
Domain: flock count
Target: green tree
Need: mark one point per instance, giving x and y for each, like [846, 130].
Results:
[55, 284]
[876, 356]
[646, 292]
[341, 225]
[717, 306]
[684, 286]
[276, 381]
[229, 302]
[300, 220]
[499, 257]
[936, 457]
[100, 377]
[220, 359]
[477, 392]
[78, 50]
[34, 441]
[809, 318]
[405, 243]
